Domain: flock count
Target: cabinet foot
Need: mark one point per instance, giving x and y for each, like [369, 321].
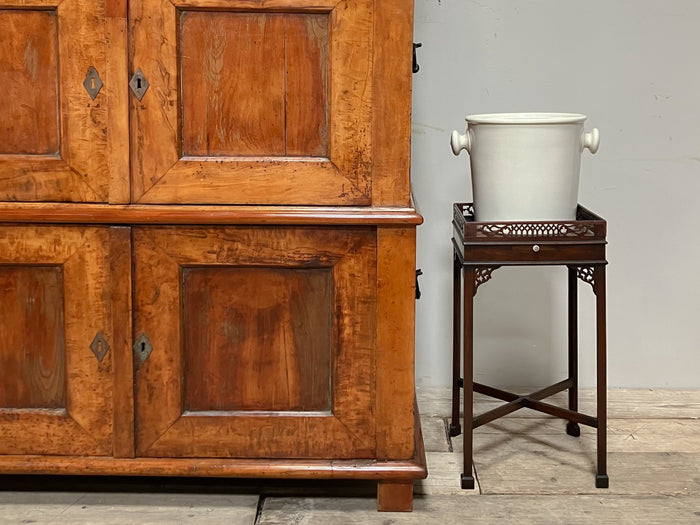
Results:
[395, 496]
[455, 430]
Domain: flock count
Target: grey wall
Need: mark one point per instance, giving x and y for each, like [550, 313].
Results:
[633, 67]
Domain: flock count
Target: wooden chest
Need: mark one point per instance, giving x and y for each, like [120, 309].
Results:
[207, 241]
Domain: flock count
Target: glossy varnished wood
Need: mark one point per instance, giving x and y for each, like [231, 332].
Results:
[152, 214]
[217, 467]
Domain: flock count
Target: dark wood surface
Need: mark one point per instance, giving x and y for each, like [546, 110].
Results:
[28, 118]
[482, 247]
[32, 340]
[222, 115]
[230, 314]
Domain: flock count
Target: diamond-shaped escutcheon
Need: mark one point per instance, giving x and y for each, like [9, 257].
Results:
[143, 347]
[92, 82]
[99, 346]
[139, 84]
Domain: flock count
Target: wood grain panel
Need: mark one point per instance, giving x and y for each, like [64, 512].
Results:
[85, 122]
[88, 311]
[251, 180]
[351, 88]
[150, 214]
[257, 339]
[391, 103]
[165, 428]
[116, 76]
[156, 303]
[182, 153]
[232, 84]
[306, 74]
[37, 178]
[28, 74]
[84, 424]
[154, 121]
[32, 349]
[122, 354]
[78, 155]
[396, 265]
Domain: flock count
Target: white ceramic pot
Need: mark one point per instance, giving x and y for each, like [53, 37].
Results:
[525, 166]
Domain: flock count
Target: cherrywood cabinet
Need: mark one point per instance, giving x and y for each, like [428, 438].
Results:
[207, 242]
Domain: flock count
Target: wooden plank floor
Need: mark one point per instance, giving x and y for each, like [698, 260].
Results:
[527, 469]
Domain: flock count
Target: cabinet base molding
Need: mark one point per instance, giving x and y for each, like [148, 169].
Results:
[394, 478]
[233, 468]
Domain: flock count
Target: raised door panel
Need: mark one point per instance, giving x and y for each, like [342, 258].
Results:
[261, 342]
[252, 102]
[56, 142]
[55, 333]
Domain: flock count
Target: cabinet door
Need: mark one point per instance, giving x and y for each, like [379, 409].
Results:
[261, 342]
[263, 102]
[56, 142]
[55, 332]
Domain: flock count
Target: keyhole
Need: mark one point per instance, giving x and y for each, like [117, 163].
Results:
[99, 347]
[138, 86]
[92, 83]
[143, 344]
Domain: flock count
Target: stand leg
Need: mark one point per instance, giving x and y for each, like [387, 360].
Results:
[601, 480]
[468, 377]
[455, 427]
[573, 428]
[395, 496]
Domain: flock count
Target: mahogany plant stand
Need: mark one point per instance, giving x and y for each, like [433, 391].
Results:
[479, 249]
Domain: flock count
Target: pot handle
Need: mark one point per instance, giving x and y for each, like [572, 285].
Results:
[591, 140]
[460, 142]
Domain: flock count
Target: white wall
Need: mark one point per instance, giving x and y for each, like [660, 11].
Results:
[633, 66]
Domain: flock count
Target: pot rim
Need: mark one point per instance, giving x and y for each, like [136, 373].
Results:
[526, 118]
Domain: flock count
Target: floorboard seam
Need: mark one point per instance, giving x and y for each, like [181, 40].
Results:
[259, 509]
[446, 426]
